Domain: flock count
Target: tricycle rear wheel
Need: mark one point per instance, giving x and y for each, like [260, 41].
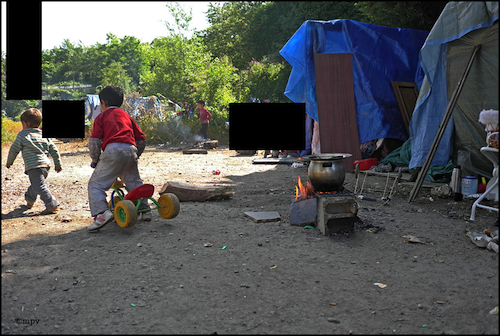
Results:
[170, 206]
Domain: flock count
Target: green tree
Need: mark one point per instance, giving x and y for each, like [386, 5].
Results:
[115, 74]
[182, 20]
[227, 32]
[174, 63]
[215, 84]
[262, 78]
[403, 14]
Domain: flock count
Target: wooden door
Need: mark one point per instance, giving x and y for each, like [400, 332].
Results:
[406, 95]
[338, 127]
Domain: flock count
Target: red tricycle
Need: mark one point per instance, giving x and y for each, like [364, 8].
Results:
[126, 206]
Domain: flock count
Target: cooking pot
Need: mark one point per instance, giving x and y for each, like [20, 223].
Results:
[327, 171]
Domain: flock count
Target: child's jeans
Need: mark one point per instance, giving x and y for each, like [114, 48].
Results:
[39, 187]
[117, 159]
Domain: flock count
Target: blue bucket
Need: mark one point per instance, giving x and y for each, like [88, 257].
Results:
[469, 185]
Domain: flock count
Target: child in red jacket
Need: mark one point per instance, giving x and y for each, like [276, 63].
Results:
[122, 142]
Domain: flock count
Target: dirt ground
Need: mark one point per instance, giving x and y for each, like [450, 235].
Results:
[271, 278]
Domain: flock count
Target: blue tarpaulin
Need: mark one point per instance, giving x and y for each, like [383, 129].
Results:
[380, 55]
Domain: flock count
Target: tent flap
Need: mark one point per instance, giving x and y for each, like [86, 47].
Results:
[443, 58]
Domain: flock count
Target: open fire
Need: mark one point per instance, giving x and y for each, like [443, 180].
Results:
[306, 191]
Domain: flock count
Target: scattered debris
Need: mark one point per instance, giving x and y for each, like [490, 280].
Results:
[442, 190]
[440, 302]
[412, 239]
[381, 285]
[299, 164]
[494, 311]
[492, 246]
[208, 244]
[332, 304]
[483, 240]
[223, 247]
[374, 229]
[139, 245]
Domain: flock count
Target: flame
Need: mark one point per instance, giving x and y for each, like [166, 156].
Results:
[300, 192]
[304, 192]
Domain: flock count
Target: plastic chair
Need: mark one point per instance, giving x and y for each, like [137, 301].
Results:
[492, 154]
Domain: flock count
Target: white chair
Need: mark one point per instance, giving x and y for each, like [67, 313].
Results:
[492, 188]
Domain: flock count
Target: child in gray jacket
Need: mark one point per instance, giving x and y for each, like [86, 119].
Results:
[35, 151]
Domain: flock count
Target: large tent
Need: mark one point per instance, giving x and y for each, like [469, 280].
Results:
[379, 55]
[443, 58]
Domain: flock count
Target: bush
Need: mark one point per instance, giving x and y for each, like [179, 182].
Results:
[9, 130]
[164, 129]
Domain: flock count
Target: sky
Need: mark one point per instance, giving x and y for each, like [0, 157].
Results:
[90, 21]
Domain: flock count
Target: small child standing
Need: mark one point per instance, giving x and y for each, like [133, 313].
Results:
[205, 116]
[122, 142]
[35, 151]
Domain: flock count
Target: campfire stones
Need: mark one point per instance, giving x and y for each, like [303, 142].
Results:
[303, 212]
[337, 213]
[334, 212]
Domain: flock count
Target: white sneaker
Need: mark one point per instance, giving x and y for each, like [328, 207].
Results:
[101, 220]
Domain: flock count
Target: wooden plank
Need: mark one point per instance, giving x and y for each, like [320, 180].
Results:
[338, 127]
[406, 95]
[261, 217]
[442, 127]
[274, 161]
[195, 151]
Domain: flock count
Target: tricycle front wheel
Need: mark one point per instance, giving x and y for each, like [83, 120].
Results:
[125, 214]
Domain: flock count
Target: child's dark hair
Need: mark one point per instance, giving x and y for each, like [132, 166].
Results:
[32, 117]
[112, 95]
[202, 102]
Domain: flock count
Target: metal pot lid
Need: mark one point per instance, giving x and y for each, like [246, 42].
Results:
[328, 156]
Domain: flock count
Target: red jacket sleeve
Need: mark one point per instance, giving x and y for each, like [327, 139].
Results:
[97, 129]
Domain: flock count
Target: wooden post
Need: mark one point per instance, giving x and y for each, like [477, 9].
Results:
[441, 128]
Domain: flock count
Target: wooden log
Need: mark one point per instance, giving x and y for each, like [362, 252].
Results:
[195, 193]
[211, 144]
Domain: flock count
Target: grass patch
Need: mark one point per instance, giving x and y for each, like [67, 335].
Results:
[10, 129]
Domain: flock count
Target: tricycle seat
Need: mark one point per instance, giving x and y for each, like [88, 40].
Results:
[142, 191]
